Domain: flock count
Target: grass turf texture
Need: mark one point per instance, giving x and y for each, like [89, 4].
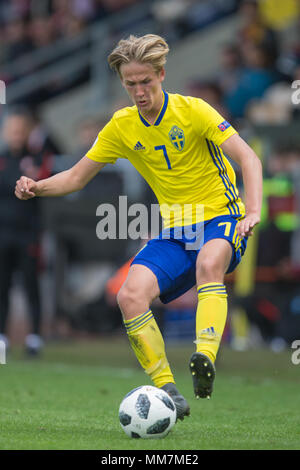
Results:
[69, 399]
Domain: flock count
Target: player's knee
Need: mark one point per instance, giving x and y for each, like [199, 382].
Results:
[128, 297]
[209, 269]
[125, 296]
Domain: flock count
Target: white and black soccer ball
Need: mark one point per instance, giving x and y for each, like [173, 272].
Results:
[147, 412]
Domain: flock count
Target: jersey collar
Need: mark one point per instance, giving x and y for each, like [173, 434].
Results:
[160, 114]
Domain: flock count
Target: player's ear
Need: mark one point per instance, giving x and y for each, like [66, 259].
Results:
[162, 74]
[121, 76]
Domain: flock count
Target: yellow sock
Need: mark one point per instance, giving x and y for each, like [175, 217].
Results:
[148, 345]
[210, 318]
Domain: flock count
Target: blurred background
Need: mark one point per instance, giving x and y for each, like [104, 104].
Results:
[58, 281]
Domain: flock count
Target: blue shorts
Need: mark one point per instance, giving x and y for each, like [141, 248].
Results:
[172, 255]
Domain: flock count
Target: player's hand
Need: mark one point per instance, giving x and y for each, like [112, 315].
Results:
[245, 227]
[26, 188]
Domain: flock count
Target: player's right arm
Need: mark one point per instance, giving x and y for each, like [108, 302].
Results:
[61, 184]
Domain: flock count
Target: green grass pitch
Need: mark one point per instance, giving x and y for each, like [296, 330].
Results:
[69, 399]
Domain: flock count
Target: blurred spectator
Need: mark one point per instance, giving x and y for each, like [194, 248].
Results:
[70, 17]
[74, 26]
[296, 77]
[280, 217]
[177, 18]
[285, 164]
[231, 65]
[270, 307]
[27, 24]
[14, 9]
[16, 40]
[87, 132]
[209, 91]
[275, 107]
[41, 31]
[254, 30]
[113, 6]
[170, 15]
[295, 242]
[20, 224]
[279, 104]
[284, 160]
[84, 9]
[256, 77]
[279, 15]
[40, 141]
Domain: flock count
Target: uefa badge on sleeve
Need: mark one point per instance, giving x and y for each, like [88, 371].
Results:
[224, 125]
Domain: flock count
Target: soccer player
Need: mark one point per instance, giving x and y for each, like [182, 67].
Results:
[178, 144]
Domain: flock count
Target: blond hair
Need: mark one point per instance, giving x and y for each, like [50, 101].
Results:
[151, 49]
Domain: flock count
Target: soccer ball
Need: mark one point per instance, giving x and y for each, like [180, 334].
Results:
[147, 412]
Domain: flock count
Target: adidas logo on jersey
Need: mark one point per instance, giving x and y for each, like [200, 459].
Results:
[139, 146]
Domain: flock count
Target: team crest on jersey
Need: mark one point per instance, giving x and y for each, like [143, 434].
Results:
[177, 137]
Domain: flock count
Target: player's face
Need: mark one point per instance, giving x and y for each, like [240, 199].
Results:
[144, 86]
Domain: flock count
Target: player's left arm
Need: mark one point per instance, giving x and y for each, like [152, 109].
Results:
[237, 149]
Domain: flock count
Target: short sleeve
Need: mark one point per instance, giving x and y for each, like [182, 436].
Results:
[107, 147]
[209, 123]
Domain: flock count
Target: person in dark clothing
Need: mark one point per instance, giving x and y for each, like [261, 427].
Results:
[20, 225]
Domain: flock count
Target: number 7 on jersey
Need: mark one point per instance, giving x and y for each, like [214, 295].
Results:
[163, 148]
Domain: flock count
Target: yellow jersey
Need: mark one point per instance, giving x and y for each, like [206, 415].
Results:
[179, 156]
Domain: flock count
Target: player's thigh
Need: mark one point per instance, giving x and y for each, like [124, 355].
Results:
[213, 261]
[140, 286]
